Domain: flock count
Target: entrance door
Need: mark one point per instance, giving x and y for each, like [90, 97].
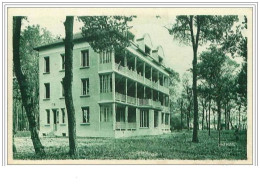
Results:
[55, 119]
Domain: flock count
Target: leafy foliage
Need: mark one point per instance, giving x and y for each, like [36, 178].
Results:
[218, 71]
[106, 32]
[31, 37]
[211, 27]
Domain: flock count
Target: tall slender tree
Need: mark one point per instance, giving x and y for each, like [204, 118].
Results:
[199, 29]
[102, 33]
[24, 87]
[67, 83]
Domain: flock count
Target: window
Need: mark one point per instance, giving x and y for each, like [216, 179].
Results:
[47, 90]
[120, 114]
[166, 119]
[144, 118]
[162, 118]
[62, 62]
[147, 50]
[48, 116]
[57, 116]
[85, 58]
[156, 118]
[85, 86]
[105, 83]
[105, 56]
[85, 114]
[62, 89]
[105, 113]
[160, 59]
[46, 64]
[63, 116]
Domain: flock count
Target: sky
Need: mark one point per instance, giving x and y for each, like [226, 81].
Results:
[177, 56]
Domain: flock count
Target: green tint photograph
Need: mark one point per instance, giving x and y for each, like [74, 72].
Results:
[149, 84]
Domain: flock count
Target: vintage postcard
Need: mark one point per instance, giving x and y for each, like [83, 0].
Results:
[130, 85]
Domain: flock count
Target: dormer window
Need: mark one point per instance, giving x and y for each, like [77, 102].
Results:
[160, 59]
[147, 50]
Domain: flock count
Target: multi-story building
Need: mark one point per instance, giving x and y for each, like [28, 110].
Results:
[115, 93]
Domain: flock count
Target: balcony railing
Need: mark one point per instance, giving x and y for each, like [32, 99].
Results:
[125, 125]
[133, 74]
[132, 125]
[145, 102]
[105, 66]
[106, 96]
[120, 125]
[157, 104]
[131, 100]
[120, 97]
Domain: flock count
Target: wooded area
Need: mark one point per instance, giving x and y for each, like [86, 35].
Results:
[212, 95]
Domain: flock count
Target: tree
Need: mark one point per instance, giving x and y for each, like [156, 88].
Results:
[187, 95]
[203, 93]
[32, 36]
[208, 28]
[23, 85]
[102, 33]
[174, 80]
[67, 83]
[106, 32]
[217, 70]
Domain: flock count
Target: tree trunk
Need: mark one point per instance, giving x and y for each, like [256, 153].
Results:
[181, 112]
[195, 98]
[207, 126]
[195, 43]
[67, 82]
[188, 118]
[23, 85]
[203, 114]
[225, 116]
[209, 114]
[219, 119]
[239, 114]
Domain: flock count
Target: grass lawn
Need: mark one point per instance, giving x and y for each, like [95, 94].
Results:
[176, 145]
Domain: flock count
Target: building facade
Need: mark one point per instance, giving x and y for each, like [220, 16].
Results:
[116, 93]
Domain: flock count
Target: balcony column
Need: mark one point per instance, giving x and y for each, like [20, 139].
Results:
[159, 118]
[144, 71]
[113, 59]
[136, 100]
[113, 86]
[158, 77]
[126, 90]
[135, 63]
[151, 118]
[152, 96]
[137, 118]
[125, 59]
[126, 114]
[144, 93]
[151, 74]
[114, 115]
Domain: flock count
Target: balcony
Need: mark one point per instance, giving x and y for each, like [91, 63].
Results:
[120, 97]
[145, 102]
[131, 100]
[106, 96]
[105, 67]
[139, 77]
[157, 104]
[126, 125]
[163, 89]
